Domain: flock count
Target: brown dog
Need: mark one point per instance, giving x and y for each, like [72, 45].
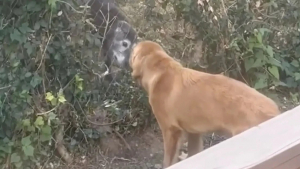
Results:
[186, 100]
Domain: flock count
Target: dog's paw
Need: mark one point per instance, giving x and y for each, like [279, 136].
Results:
[182, 156]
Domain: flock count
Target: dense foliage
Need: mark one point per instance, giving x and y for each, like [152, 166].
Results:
[51, 75]
[258, 39]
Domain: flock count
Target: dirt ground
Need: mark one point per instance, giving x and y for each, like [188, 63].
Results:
[146, 152]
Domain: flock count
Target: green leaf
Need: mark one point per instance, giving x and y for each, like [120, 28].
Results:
[80, 86]
[61, 99]
[259, 37]
[39, 121]
[49, 96]
[30, 128]
[37, 26]
[97, 42]
[43, 23]
[52, 3]
[18, 164]
[269, 50]
[261, 83]
[29, 48]
[28, 74]
[16, 35]
[274, 62]
[51, 116]
[258, 45]
[45, 137]
[6, 149]
[36, 80]
[45, 133]
[258, 63]
[26, 123]
[263, 30]
[54, 102]
[297, 76]
[46, 129]
[248, 63]
[14, 158]
[26, 141]
[78, 79]
[295, 63]
[28, 150]
[274, 71]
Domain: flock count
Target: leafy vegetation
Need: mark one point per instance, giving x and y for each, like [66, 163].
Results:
[258, 40]
[51, 75]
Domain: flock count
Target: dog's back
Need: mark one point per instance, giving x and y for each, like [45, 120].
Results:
[203, 102]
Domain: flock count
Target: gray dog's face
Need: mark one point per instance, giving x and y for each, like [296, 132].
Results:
[121, 44]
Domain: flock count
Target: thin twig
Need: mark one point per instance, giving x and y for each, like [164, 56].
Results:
[104, 124]
[44, 52]
[122, 138]
[49, 111]
[5, 87]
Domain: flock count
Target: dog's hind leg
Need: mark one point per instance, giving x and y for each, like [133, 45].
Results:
[172, 140]
[195, 144]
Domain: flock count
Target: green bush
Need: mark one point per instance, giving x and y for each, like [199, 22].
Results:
[256, 39]
[50, 75]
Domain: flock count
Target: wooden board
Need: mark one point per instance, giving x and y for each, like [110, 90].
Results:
[274, 144]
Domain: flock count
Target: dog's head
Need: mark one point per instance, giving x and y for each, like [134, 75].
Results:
[119, 42]
[139, 53]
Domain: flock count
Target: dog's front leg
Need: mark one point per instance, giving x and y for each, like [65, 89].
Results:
[171, 137]
[195, 144]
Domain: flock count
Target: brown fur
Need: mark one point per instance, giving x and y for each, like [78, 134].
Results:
[186, 100]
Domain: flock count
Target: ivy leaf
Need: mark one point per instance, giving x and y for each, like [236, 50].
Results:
[29, 48]
[46, 129]
[80, 86]
[28, 150]
[78, 79]
[97, 42]
[26, 123]
[61, 99]
[37, 26]
[274, 71]
[39, 121]
[49, 96]
[54, 102]
[15, 158]
[52, 3]
[36, 80]
[269, 50]
[45, 133]
[26, 141]
[248, 63]
[295, 63]
[18, 164]
[51, 116]
[297, 76]
[27, 74]
[259, 38]
[261, 83]
[16, 35]
[263, 30]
